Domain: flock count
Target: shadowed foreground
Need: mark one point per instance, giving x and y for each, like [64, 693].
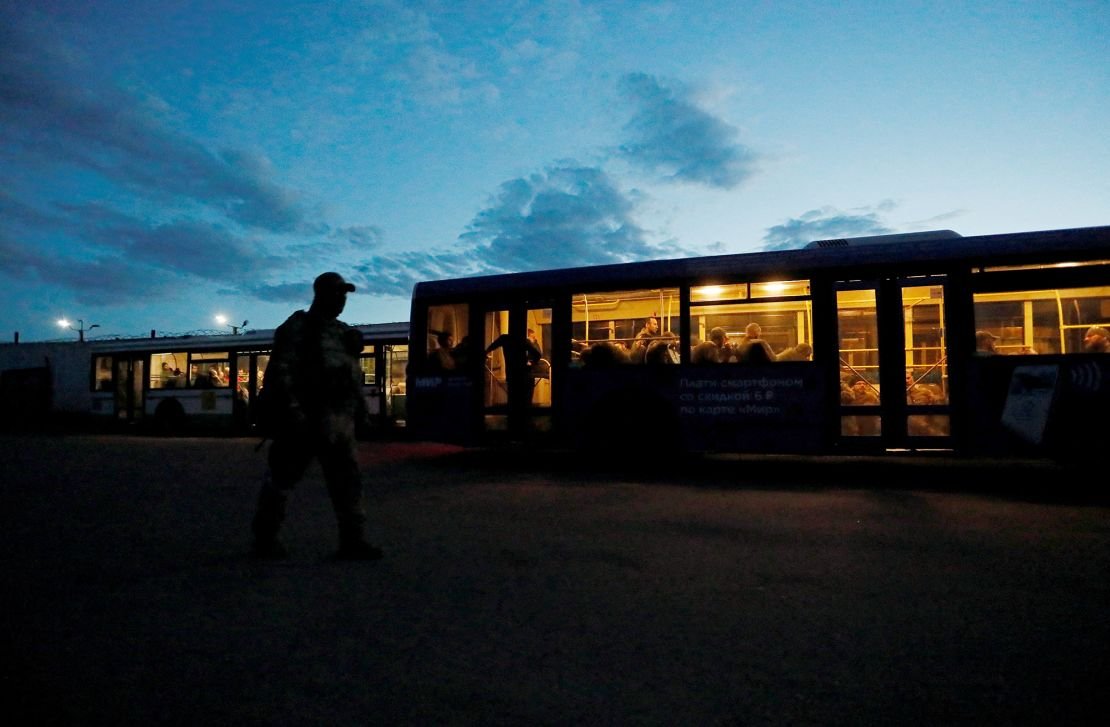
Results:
[751, 591]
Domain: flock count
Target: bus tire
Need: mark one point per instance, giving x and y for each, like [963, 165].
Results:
[169, 416]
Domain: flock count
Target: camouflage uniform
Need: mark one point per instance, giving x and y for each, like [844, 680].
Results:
[319, 382]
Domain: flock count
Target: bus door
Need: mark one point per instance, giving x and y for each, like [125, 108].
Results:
[130, 375]
[393, 385]
[925, 420]
[893, 360]
[251, 375]
[516, 372]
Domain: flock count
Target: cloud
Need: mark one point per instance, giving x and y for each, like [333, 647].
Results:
[941, 219]
[90, 150]
[83, 277]
[569, 215]
[401, 46]
[362, 237]
[684, 143]
[120, 256]
[55, 112]
[825, 224]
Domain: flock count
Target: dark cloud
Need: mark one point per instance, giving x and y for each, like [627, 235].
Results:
[281, 292]
[571, 215]
[55, 111]
[202, 249]
[568, 216]
[362, 237]
[218, 215]
[14, 212]
[121, 256]
[83, 277]
[825, 224]
[676, 138]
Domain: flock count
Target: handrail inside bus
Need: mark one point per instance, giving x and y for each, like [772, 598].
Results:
[929, 370]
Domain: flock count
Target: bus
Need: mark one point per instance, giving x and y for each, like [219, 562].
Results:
[178, 383]
[905, 342]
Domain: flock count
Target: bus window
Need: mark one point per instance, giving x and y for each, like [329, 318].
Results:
[167, 370]
[368, 364]
[102, 373]
[495, 375]
[397, 359]
[539, 336]
[781, 289]
[926, 363]
[858, 337]
[778, 313]
[260, 363]
[446, 335]
[209, 370]
[1039, 321]
[622, 327]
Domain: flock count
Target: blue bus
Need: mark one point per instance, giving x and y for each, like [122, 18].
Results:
[919, 341]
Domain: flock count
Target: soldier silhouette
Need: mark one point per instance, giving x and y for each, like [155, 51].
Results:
[318, 398]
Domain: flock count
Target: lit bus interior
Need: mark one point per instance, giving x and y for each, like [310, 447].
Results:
[1025, 322]
[646, 327]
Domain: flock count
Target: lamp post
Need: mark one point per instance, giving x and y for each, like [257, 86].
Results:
[222, 320]
[80, 327]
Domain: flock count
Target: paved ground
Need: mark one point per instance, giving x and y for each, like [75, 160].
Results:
[521, 591]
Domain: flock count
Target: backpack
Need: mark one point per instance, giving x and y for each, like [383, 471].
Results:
[269, 411]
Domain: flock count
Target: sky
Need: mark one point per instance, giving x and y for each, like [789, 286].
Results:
[164, 162]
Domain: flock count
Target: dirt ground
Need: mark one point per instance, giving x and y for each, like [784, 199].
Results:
[525, 589]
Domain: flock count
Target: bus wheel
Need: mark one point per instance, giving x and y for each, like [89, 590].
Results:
[169, 416]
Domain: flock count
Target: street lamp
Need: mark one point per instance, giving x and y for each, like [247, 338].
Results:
[222, 320]
[80, 327]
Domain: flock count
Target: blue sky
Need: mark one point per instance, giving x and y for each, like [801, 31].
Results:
[163, 162]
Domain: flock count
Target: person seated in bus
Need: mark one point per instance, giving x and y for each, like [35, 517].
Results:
[864, 394]
[576, 349]
[441, 359]
[753, 349]
[199, 378]
[802, 352]
[216, 379]
[920, 394]
[1097, 340]
[663, 350]
[985, 343]
[637, 353]
[715, 350]
[605, 354]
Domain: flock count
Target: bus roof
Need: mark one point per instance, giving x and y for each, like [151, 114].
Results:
[930, 252]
